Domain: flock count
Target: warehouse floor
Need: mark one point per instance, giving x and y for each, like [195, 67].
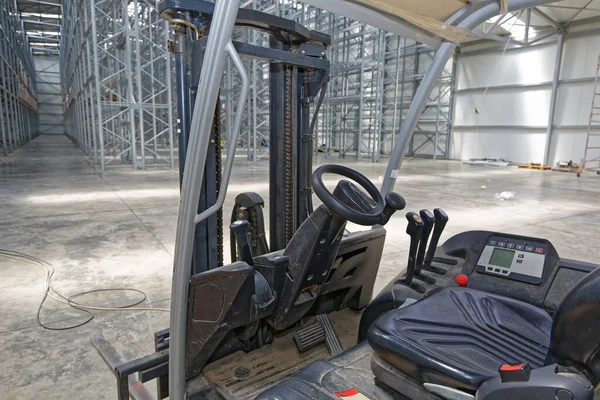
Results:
[117, 229]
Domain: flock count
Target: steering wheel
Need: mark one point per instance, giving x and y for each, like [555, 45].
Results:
[347, 206]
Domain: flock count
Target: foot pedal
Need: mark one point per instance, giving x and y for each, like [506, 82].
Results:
[309, 336]
[334, 345]
[314, 334]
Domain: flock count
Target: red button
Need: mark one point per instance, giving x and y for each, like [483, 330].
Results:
[539, 250]
[462, 280]
[511, 367]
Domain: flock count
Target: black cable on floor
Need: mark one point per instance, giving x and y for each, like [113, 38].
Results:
[56, 296]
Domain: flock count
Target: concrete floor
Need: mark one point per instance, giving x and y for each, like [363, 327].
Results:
[117, 229]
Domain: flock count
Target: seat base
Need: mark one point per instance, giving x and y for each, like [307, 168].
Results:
[397, 381]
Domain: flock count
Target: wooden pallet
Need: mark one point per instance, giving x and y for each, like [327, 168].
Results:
[573, 168]
[537, 166]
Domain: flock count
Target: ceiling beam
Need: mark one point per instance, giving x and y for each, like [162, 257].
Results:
[579, 12]
[546, 17]
[585, 21]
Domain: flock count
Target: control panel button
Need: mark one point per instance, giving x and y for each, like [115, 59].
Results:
[520, 247]
[505, 272]
[521, 256]
[501, 244]
[497, 270]
[510, 246]
[490, 268]
[529, 248]
[519, 261]
[539, 250]
[493, 243]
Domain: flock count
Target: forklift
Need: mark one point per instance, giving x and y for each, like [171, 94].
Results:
[485, 315]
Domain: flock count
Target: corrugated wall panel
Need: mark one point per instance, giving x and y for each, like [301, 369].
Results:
[49, 95]
[512, 121]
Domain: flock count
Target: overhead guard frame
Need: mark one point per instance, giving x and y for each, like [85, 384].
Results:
[218, 45]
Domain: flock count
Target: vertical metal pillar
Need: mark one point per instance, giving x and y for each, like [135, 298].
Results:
[553, 97]
[169, 104]
[138, 103]
[97, 81]
[452, 102]
[200, 129]
[131, 154]
[361, 99]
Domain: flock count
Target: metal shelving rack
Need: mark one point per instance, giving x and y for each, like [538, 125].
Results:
[18, 99]
[254, 134]
[374, 77]
[116, 78]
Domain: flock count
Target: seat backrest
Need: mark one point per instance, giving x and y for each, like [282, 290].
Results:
[575, 339]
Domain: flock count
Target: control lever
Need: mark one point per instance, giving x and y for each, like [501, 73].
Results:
[393, 202]
[429, 220]
[414, 230]
[441, 219]
[240, 229]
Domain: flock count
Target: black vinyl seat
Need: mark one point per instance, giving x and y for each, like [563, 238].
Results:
[459, 337]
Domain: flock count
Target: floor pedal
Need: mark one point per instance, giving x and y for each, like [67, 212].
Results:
[309, 336]
[320, 331]
[332, 340]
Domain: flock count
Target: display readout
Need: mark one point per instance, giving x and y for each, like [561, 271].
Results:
[502, 257]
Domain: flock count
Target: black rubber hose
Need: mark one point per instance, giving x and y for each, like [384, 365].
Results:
[323, 84]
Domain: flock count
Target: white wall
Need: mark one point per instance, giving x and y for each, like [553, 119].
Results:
[512, 122]
[50, 106]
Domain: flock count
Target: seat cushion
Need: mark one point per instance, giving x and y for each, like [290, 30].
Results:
[459, 337]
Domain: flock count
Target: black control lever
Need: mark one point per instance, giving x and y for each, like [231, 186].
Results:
[393, 202]
[428, 221]
[240, 229]
[441, 219]
[414, 230]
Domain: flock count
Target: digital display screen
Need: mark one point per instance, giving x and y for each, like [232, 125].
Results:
[502, 258]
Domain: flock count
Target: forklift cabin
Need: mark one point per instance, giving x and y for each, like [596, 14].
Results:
[486, 315]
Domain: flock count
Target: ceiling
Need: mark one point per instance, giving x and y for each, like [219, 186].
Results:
[42, 20]
[569, 11]
[539, 23]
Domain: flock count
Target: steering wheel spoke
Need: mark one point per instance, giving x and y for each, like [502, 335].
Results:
[351, 203]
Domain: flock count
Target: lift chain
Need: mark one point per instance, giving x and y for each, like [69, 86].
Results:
[218, 173]
[218, 163]
[288, 150]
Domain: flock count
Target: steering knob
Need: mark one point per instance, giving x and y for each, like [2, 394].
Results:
[393, 202]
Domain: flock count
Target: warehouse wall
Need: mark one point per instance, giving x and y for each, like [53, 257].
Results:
[50, 106]
[513, 114]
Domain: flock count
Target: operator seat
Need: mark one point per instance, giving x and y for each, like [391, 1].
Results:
[459, 337]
